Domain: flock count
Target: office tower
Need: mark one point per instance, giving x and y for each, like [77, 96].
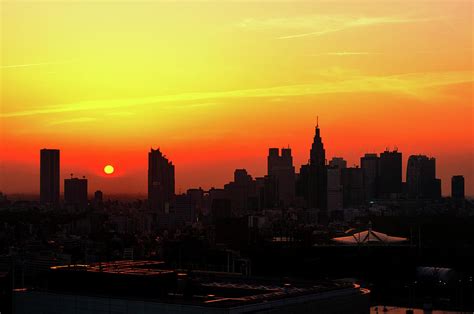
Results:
[421, 178]
[334, 185]
[317, 153]
[312, 180]
[242, 192]
[370, 170]
[335, 192]
[457, 187]
[390, 174]
[280, 167]
[49, 176]
[337, 162]
[161, 184]
[75, 192]
[352, 180]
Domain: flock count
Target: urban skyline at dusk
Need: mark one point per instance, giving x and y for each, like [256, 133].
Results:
[101, 176]
[236, 156]
[256, 76]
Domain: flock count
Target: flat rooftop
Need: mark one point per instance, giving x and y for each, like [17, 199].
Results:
[153, 281]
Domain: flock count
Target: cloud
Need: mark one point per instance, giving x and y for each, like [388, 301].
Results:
[331, 82]
[317, 25]
[75, 120]
[26, 65]
[346, 53]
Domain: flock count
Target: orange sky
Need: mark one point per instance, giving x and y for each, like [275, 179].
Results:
[214, 84]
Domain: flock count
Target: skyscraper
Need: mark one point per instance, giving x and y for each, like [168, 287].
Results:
[421, 177]
[241, 191]
[49, 176]
[390, 175]
[457, 187]
[75, 192]
[370, 169]
[352, 186]
[317, 153]
[312, 180]
[334, 185]
[280, 167]
[161, 184]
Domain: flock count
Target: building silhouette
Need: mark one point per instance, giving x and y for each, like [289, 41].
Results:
[49, 176]
[338, 162]
[312, 180]
[281, 169]
[161, 182]
[390, 174]
[98, 196]
[457, 187]
[335, 190]
[352, 180]
[75, 192]
[421, 178]
[242, 192]
[370, 164]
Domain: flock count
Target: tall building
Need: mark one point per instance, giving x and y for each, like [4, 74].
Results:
[390, 174]
[161, 184]
[457, 187]
[281, 168]
[421, 178]
[352, 180]
[312, 180]
[317, 153]
[335, 190]
[242, 192]
[49, 176]
[370, 170]
[75, 192]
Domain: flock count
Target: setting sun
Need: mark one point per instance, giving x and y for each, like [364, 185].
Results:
[109, 169]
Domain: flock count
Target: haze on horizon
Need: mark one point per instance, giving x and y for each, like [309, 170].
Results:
[215, 84]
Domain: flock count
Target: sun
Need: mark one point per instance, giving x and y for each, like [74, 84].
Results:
[109, 169]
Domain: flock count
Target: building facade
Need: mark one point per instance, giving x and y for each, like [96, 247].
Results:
[49, 176]
[161, 182]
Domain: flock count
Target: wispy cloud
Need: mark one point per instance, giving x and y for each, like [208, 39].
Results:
[345, 53]
[318, 25]
[26, 65]
[410, 84]
[74, 120]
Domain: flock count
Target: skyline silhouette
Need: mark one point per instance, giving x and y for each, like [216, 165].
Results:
[236, 156]
[215, 85]
[418, 174]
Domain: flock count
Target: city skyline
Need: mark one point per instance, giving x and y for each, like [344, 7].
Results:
[216, 85]
[278, 165]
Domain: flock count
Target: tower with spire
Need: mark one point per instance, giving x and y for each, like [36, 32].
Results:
[312, 180]
[317, 153]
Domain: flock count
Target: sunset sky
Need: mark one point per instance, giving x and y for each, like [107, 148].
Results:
[215, 84]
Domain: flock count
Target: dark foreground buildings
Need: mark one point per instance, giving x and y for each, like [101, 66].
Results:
[49, 176]
[143, 287]
[161, 184]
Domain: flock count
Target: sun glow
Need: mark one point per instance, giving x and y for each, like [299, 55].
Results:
[109, 169]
